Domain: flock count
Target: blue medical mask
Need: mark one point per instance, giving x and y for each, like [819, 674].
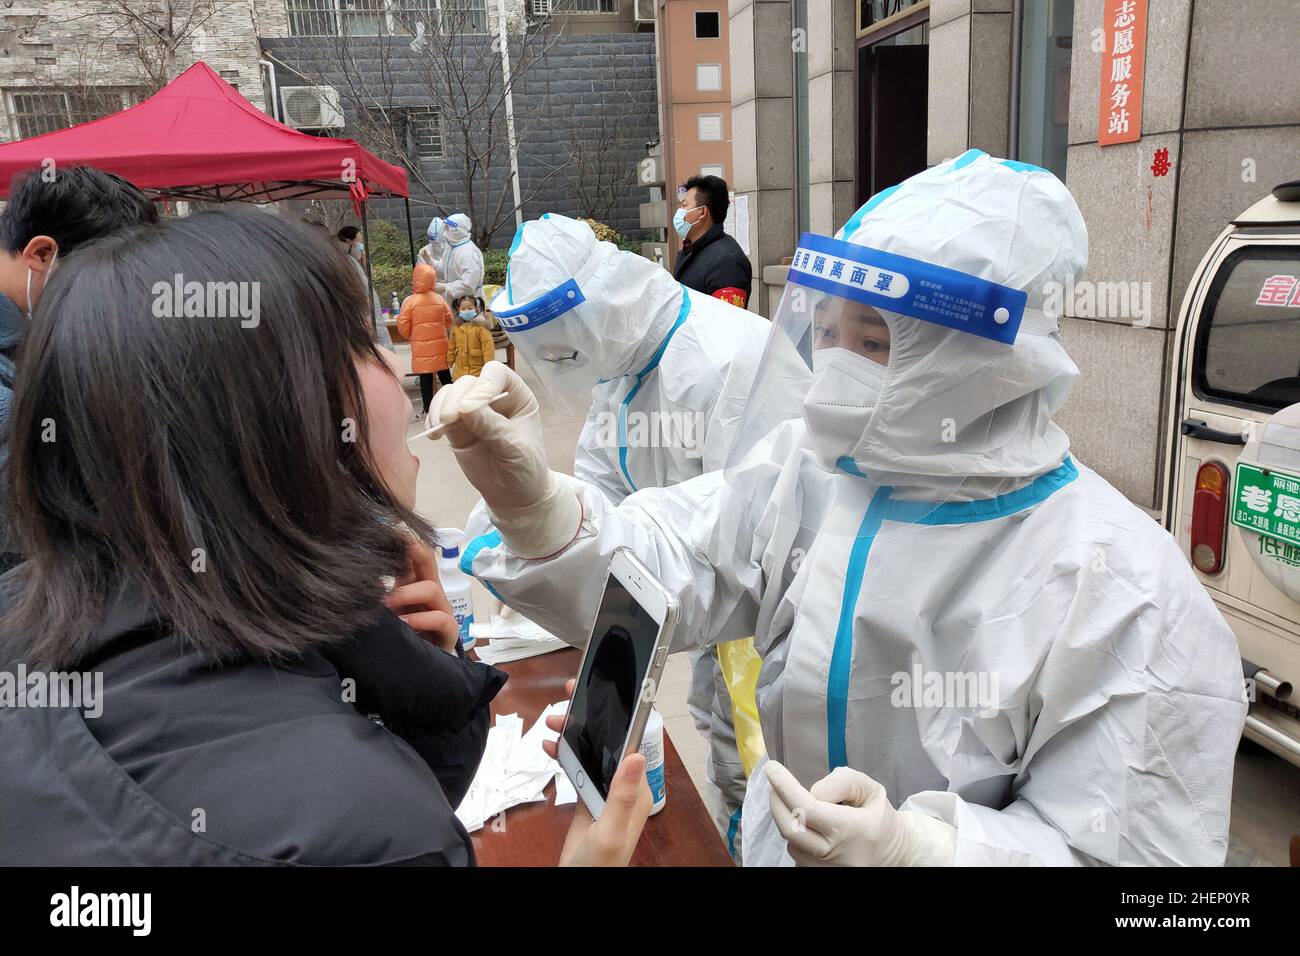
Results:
[467, 316]
[680, 225]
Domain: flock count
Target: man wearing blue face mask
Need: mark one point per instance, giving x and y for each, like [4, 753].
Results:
[44, 220]
[711, 261]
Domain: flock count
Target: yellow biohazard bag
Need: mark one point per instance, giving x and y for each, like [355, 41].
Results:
[740, 665]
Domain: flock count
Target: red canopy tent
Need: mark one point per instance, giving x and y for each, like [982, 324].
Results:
[197, 138]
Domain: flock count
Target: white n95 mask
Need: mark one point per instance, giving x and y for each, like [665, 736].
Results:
[840, 401]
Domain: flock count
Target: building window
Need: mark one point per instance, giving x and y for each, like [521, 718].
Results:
[464, 16]
[714, 169]
[708, 25]
[708, 77]
[313, 18]
[415, 131]
[872, 12]
[1046, 39]
[710, 127]
[544, 8]
[36, 113]
[369, 18]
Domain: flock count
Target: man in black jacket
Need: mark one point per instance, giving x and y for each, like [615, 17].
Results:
[711, 261]
[45, 219]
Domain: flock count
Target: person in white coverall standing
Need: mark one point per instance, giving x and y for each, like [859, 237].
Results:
[452, 252]
[975, 651]
[662, 374]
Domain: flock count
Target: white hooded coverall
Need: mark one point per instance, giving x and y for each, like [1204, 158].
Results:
[1116, 699]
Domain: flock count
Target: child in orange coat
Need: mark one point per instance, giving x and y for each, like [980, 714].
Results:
[425, 322]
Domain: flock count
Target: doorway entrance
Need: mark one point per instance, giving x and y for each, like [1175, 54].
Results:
[892, 79]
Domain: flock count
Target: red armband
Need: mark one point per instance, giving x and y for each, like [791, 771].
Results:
[737, 297]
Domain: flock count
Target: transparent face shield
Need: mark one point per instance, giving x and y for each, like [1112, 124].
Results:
[554, 334]
[891, 363]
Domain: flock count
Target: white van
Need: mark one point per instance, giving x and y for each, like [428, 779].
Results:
[1232, 497]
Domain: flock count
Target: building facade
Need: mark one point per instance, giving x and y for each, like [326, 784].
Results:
[583, 86]
[695, 104]
[891, 86]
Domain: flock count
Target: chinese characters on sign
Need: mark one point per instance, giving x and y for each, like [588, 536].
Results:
[1123, 61]
[1281, 291]
[1160, 164]
[1267, 502]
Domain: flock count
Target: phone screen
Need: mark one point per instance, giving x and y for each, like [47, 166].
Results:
[605, 698]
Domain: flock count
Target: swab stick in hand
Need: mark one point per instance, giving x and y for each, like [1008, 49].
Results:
[437, 431]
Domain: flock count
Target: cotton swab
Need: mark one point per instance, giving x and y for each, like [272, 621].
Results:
[440, 428]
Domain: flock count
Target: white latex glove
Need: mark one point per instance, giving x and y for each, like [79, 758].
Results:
[846, 820]
[499, 447]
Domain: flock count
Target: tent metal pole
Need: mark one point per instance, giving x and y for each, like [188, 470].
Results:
[370, 279]
[410, 235]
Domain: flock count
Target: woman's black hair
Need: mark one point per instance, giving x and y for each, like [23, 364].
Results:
[462, 298]
[191, 424]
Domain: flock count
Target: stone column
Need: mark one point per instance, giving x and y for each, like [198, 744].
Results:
[831, 120]
[762, 118]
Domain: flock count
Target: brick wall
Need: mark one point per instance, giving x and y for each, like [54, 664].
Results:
[592, 86]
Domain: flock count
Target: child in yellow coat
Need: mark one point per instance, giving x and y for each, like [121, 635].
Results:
[471, 342]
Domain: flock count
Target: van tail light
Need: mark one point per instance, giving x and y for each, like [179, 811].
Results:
[1209, 517]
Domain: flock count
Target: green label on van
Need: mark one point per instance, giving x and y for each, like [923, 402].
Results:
[1267, 502]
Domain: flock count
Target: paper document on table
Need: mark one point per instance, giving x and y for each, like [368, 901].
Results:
[514, 770]
[512, 638]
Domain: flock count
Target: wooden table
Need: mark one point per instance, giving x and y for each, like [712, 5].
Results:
[681, 834]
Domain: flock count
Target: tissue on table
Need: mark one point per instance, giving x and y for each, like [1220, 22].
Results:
[515, 770]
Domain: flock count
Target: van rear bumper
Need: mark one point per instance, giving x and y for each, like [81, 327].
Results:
[1274, 730]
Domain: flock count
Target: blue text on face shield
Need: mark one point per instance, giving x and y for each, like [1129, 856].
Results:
[922, 290]
[539, 311]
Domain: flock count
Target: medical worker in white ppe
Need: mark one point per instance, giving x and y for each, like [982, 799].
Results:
[975, 651]
[451, 251]
[434, 251]
[662, 374]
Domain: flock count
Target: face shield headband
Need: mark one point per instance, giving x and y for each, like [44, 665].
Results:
[922, 290]
[545, 307]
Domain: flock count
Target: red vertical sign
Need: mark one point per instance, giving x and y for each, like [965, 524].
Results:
[1123, 60]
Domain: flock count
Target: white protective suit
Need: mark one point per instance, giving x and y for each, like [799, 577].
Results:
[956, 537]
[451, 251]
[462, 265]
[434, 252]
[666, 372]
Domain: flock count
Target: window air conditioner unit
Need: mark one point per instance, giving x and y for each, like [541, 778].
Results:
[312, 107]
[645, 11]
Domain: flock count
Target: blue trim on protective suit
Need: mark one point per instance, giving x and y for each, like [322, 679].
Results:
[883, 508]
[640, 378]
[837, 680]
[1022, 167]
[514, 244]
[855, 220]
[489, 540]
[732, 826]
[965, 159]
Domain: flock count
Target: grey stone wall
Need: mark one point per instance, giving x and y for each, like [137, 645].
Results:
[588, 85]
[73, 45]
[1219, 98]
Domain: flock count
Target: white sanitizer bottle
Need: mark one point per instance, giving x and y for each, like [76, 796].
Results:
[457, 585]
[652, 748]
